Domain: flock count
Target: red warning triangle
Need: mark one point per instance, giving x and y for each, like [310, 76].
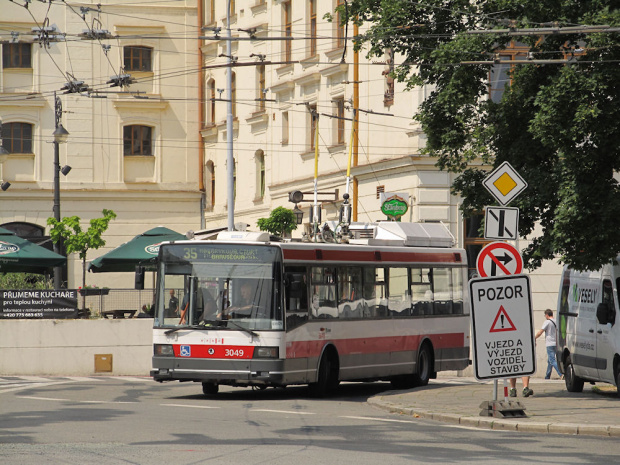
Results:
[502, 322]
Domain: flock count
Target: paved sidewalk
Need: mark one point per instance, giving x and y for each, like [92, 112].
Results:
[595, 411]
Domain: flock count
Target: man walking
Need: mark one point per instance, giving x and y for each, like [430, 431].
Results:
[549, 328]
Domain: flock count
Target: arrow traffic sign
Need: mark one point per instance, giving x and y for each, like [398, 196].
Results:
[499, 259]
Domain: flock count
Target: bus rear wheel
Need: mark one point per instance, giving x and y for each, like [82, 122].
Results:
[210, 389]
[573, 382]
[424, 368]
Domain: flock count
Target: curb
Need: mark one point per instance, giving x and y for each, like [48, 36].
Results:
[498, 425]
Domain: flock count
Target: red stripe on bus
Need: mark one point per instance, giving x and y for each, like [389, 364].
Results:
[304, 349]
[212, 351]
[370, 256]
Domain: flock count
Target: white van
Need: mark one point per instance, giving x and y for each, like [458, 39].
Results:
[588, 338]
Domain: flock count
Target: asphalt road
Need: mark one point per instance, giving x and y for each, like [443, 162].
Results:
[112, 420]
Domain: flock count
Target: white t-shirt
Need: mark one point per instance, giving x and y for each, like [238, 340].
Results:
[549, 328]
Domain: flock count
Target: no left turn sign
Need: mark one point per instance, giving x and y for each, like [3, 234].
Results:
[499, 259]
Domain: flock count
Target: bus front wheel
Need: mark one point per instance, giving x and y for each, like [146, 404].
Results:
[210, 389]
[327, 378]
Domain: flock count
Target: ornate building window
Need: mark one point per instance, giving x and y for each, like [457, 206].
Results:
[17, 137]
[137, 58]
[17, 55]
[137, 140]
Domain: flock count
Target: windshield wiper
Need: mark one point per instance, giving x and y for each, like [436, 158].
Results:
[198, 326]
[236, 325]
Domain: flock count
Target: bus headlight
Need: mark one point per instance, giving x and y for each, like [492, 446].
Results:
[266, 352]
[165, 350]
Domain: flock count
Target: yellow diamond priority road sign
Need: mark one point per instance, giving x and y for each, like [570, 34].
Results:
[504, 183]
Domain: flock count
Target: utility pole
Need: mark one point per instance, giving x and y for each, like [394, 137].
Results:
[230, 161]
[56, 208]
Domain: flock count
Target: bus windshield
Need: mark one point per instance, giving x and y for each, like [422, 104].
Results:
[219, 286]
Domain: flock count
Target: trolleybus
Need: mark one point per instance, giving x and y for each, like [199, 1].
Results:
[254, 311]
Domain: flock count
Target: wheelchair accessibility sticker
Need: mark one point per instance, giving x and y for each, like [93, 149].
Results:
[186, 351]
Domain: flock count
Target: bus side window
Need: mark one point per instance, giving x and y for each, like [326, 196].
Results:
[323, 292]
[296, 296]
[457, 291]
[442, 291]
[350, 292]
[399, 303]
[375, 298]
[421, 291]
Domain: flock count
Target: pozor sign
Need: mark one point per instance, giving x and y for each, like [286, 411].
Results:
[502, 327]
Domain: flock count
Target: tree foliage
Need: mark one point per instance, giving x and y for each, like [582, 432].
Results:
[76, 240]
[557, 124]
[280, 222]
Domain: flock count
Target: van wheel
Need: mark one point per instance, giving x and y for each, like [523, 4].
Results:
[618, 381]
[424, 368]
[210, 389]
[573, 382]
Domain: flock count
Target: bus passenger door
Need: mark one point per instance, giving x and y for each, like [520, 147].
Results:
[296, 310]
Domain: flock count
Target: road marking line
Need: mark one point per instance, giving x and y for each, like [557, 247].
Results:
[282, 411]
[44, 398]
[105, 402]
[189, 406]
[379, 419]
[21, 387]
[133, 379]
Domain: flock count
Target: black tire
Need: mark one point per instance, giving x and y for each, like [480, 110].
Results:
[573, 382]
[424, 368]
[618, 380]
[327, 379]
[210, 389]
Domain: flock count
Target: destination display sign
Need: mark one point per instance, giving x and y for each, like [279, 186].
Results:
[38, 304]
[222, 253]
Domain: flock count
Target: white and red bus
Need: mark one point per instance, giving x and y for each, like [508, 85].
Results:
[259, 312]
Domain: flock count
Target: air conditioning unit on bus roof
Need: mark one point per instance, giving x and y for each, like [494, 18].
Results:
[243, 236]
[392, 233]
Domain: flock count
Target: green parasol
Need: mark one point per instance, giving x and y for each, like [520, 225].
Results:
[142, 250]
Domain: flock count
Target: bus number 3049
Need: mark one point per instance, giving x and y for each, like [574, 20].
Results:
[233, 353]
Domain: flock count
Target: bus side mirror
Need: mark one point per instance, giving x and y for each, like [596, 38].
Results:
[602, 313]
[139, 278]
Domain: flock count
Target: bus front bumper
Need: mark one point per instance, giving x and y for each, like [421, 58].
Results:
[229, 372]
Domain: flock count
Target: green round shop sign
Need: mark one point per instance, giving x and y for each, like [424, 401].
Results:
[394, 207]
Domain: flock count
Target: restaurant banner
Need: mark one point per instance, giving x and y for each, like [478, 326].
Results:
[38, 304]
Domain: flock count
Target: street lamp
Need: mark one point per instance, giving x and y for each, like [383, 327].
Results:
[299, 214]
[4, 155]
[60, 136]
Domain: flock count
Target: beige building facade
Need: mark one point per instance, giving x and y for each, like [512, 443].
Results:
[132, 149]
[288, 64]
[156, 151]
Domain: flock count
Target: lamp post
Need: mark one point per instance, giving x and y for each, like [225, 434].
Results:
[60, 136]
[4, 154]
